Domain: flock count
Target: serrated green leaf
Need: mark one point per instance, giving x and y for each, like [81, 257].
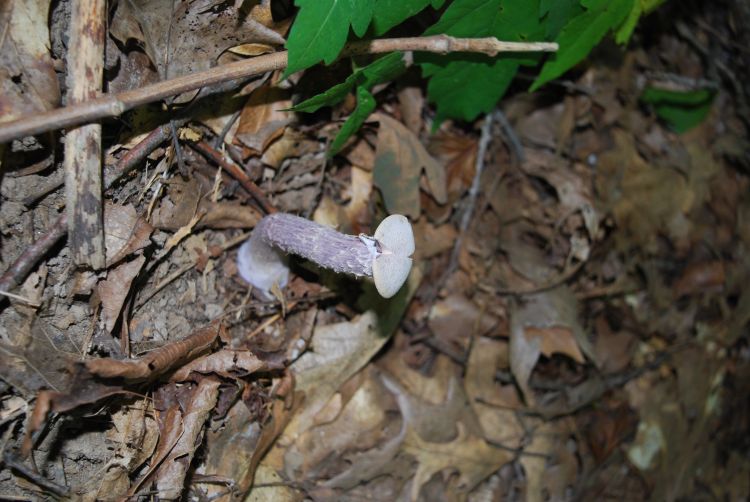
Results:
[381, 70]
[321, 28]
[465, 85]
[390, 13]
[464, 90]
[365, 106]
[581, 34]
[680, 110]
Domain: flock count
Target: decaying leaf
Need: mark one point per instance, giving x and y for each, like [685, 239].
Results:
[470, 455]
[124, 232]
[134, 436]
[186, 37]
[170, 476]
[545, 323]
[114, 290]
[264, 117]
[157, 361]
[400, 159]
[28, 82]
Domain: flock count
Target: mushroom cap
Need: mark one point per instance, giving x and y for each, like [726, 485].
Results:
[392, 266]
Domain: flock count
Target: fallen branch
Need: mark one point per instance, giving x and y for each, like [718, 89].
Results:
[115, 105]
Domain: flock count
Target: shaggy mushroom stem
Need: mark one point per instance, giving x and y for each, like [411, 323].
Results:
[262, 260]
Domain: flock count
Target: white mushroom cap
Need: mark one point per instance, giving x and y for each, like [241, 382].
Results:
[392, 266]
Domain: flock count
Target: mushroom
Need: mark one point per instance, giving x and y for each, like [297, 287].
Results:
[386, 256]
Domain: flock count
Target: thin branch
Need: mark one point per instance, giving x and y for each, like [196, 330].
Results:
[209, 152]
[115, 105]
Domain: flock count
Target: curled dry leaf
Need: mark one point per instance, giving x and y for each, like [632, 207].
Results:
[158, 361]
[115, 289]
[226, 363]
[170, 475]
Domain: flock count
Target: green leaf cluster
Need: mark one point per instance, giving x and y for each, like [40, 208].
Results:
[681, 110]
[462, 86]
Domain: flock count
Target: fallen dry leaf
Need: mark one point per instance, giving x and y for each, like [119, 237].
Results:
[157, 361]
[170, 476]
[400, 159]
[471, 456]
[115, 289]
[264, 117]
[545, 323]
[28, 82]
[188, 37]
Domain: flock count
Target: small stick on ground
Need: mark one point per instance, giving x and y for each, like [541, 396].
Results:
[83, 149]
[234, 170]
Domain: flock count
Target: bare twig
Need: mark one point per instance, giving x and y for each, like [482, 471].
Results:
[234, 170]
[83, 149]
[115, 105]
[20, 268]
[484, 142]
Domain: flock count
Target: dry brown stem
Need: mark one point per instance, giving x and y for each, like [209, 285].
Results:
[83, 150]
[112, 106]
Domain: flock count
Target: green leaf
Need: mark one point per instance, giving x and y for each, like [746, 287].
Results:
[381, 70]
[581, 34]
[365, 106]
[558, 12]
[321, 28]
[640, 7]
[625, 30]
[389, 13]
[362, 15]
[465, 85]
[680, 110]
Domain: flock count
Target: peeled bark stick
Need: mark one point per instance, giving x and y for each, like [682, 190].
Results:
[386, 256]
[115, 105]
[83, 150]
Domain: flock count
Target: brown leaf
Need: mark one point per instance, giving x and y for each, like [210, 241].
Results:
[157, 361]
[400, 159]
[115, 288]
[170, 476]
[699, 277]
[547, 322]
[264, 118]
[186, 37]
[124, 232]
[226, 363]
[28, 82]
[471, 456]
[83, 390]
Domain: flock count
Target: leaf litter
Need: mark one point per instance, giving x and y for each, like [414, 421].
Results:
[590, 343]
